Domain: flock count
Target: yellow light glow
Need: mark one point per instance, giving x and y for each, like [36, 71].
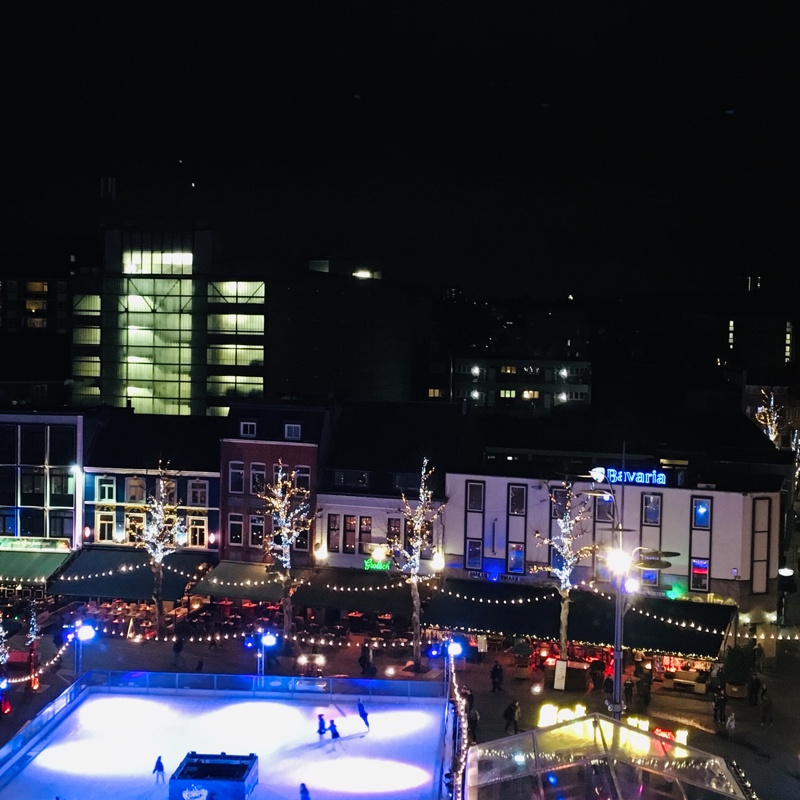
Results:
[619, 562]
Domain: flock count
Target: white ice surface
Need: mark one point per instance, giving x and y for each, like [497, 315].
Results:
[106, 748]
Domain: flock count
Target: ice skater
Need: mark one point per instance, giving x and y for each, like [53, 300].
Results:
[158, 769]
[321, 724]
[362, 712]
[304, 793]
[334, 732]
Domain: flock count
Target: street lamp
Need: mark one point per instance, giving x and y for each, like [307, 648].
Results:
[83, 633]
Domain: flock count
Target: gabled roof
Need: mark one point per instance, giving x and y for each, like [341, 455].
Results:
[271, 421]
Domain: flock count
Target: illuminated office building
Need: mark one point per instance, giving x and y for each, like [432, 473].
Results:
[159, 332]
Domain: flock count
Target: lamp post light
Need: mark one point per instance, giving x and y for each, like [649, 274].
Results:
[265, 644]
[619, 562]
[83, 633]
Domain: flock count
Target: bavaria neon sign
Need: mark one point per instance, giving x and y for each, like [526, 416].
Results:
[651, 478]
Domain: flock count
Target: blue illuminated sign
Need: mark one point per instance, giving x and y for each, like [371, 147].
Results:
[651, 478]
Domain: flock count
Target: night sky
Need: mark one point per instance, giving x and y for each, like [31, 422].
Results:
[541, 147]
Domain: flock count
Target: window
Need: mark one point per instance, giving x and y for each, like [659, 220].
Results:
[235, 529]
[393, 530]
[32, 486]
[558, 504]
[236, 477]
[256, 531]
[698, 580]
[474, 553]
[651, 509]
[508, 370]
[517, 500]
[166, 489]
[104, 525]
[701, 512]
[134, 527]
[62, 487]
[434, 392]
[333, 533]
[8, 522]
[530, 394]
[508, 394]
[291, 431]
[247, 429]
[762, 508]
[649, 577]
[258, 478]
[198, 493]
[365, 535]
[61, 525]
[31, 522]
[135, 490]
[516, 558]
[474, 496]
[197, 527]
[349, 544]
[302, 477]
[604, 509]
[106, 491]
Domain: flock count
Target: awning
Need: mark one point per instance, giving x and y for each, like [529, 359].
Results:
[30, 567]
[655, 624]
[242, 580]
[496, 607]
[356, 590]
[124, 573]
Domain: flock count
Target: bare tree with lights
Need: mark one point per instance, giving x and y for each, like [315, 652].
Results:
[287, 504]
[768, 416]
[570, 521]
[4, 654]
[163, 533]
[406, 555]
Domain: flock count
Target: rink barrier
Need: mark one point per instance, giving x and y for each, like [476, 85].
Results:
[22, 747]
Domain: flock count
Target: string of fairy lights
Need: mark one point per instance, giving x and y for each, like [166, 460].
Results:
[126, 569]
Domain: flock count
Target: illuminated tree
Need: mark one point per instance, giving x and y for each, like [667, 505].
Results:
[406, 555]
[287, 505]
[3, 644]
[768, 416]
[163, 532]
[569, 517]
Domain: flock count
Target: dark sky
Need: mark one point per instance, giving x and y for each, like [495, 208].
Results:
[559, 149]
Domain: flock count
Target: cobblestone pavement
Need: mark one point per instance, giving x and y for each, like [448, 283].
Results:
[769, 755]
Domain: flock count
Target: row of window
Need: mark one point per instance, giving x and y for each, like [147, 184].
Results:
[136, 491]
[351, 533]
[106, 529]
[258, 476]
[36, 485]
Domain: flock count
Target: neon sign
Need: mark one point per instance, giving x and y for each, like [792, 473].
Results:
[651, 478]
[376, 565]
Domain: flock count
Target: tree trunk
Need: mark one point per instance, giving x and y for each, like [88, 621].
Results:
[158, 600]
[415, 623]
[565, 601]
[287, 617]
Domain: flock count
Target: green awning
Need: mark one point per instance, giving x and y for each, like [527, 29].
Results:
[124, 573]
[30, 567]
[356, 590]
[241, 580]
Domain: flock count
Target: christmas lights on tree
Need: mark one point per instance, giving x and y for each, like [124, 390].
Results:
[569, 518]
[163, 532]
[406, 556]
[287, 505]
[768, 416]
[3, 644]
[33, 626]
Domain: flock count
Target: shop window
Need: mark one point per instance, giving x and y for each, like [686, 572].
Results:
[474, 553]
[516, 558]
[365, 546]
[699, 578]
[349, 543]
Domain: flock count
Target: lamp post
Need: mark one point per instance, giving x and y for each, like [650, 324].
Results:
[83, 633]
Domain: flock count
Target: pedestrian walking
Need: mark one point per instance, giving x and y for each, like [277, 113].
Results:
[730, 725]
[629, 692]
[473, 718]
[755, 690]
[766, 708]
[511, 715]
[497, 677]
[321, 724]
[304, 793]
[362, 712]
[158, 770]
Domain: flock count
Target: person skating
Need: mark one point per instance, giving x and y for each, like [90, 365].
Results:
[334, 732]
[362, 712]
[158, 769]
[304, 793]
[321, 729]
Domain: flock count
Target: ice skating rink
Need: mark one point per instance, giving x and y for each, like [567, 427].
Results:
[107, 747]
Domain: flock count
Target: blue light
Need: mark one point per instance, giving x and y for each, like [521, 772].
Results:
[85, 632]
[551, 779]
[455, 649]
[433, 651]
[249, 642]
[3, 684]
[269, 640]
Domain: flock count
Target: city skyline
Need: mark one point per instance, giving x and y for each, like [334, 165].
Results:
[553, 151]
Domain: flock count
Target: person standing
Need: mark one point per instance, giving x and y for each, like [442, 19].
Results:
[334, 732]
[497, 677]
[755, 690]
[766, 707]
[177, 653]
[321, 724]
[304, 793]
[628, 692]
[158, 770]
[362, 712]
[472, 725]
[511, 715]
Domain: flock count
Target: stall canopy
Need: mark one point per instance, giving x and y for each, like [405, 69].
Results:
[654, 624]
[241, 580]
[124, 573]
[496, 607]
[356, 590]
[30, 568]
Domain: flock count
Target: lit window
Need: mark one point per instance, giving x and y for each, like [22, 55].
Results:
[105, 527]
[198, 493]
[516, 558]
[197, 531]
[434, 392]
[530, 394]
[701, 512]
[134, 490]
[508, 393]
[258, 478]
[510, 370]
[698, 581]
[235, 529]
[256, 531]
[106, 491]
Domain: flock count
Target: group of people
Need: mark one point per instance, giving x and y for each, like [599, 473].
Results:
[331, 728]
